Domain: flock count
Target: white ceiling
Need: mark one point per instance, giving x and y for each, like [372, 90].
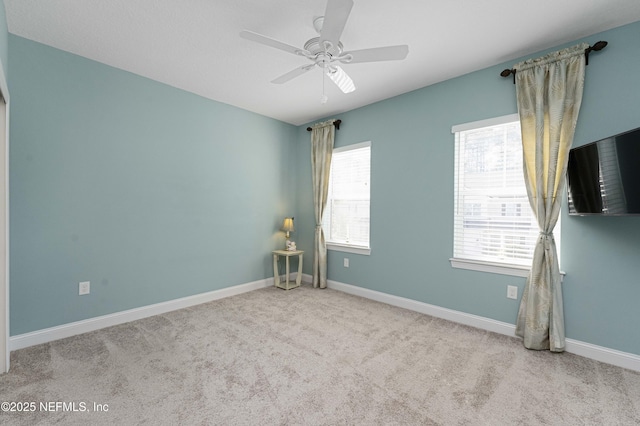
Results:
[194, 44]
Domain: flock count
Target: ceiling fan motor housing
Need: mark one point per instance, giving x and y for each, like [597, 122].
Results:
[323, 53]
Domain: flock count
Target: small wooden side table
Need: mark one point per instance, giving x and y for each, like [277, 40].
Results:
[276, 276]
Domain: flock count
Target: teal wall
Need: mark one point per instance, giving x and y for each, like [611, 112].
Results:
[412, 200]
[149, 192]
[153, 193]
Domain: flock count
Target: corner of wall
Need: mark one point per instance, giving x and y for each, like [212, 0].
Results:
[4, 37]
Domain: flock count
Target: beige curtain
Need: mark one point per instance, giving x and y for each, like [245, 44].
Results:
[549, 94]
[322, 136]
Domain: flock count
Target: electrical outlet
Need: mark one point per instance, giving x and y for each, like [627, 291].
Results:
[512, 292]
[346, 262]
[84, 288]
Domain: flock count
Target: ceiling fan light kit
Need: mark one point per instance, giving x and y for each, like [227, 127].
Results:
[326, 51]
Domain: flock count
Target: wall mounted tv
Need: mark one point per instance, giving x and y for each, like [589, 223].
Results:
[604, 176]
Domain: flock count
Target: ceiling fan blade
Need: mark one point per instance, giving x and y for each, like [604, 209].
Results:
[341, 79]
[388, 53]
[335, 18]
[250, 35]
[293, 74]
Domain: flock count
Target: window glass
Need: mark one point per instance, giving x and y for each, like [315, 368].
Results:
[493, 220]
[346, 218]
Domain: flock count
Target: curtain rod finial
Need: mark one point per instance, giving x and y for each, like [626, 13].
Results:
[596, 47]
[508, 72]
[600, 45]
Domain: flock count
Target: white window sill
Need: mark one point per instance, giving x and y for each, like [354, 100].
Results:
[494, 268]
[349, 249]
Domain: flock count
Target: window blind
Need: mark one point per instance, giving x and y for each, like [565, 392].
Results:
[493, 221]
[346, 217]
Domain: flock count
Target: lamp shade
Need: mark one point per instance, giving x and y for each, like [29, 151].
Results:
[287, 225]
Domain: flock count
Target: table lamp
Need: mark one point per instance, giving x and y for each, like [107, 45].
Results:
[287, 226]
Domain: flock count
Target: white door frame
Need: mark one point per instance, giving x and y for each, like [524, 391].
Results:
[4, 225]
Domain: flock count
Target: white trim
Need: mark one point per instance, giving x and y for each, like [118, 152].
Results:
[425, 308]
[67, 330]
[349, 249]
[602, 354]
[352, 146]
[587, 350]
[495, 268]
[598, 353]
[4, 88]
[495, 121]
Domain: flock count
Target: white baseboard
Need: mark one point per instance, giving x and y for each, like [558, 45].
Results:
[67, 330]
[602, 354]
[587, 350]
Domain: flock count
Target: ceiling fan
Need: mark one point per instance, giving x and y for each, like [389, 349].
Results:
[326, 51]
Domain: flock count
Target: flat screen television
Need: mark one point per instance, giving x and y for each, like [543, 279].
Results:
[603, 177]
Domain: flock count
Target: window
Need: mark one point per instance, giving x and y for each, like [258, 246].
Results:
[346, 216]
[494, 227]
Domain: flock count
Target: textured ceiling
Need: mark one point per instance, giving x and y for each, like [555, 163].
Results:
[194, 44]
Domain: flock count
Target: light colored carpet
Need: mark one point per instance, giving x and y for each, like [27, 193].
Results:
[312, 357]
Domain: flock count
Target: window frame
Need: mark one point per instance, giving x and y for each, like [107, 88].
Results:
[352, 248]
[503, 268]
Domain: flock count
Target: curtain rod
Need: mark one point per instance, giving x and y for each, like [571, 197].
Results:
[596, 47]
[335, 123]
